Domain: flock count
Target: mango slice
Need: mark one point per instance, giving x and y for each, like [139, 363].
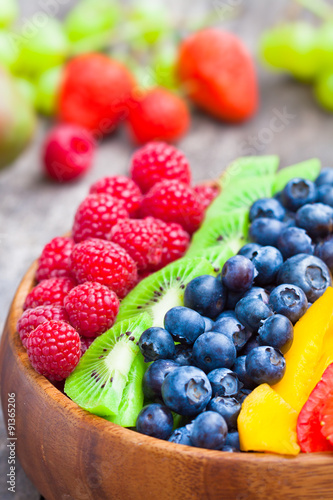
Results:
[267, 423]
[306, 359]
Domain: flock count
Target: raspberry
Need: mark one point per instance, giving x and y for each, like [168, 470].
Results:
[104, 262]
[54, 259]
[206, 193]
[68, 152]
[50, 291]
[175, 242]
[54, 349]
[91, 308]
[157, 114]
[157, 161]
[141, 239]
[86, 343]
[31, 318]
[96, 215]
[173, 201]
[94, 93]
[122, 188]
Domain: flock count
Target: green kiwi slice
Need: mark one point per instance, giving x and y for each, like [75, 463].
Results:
[163, 290]
[308, 169]
[248, 166]
[97, 384]
[217, 256]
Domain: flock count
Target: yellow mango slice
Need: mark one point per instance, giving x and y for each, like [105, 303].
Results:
[305, 358]
[267, 423]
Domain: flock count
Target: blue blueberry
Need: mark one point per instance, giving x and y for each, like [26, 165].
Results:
[238, 273]
[265, 365]
[267, 207]
[226, 314]
[325, 177]
[324, 250]
[258, 293]
[267, 262]
[316, 219]
[213, 350]
[250, 344]
[181, 436]
[325, 195]
[240, 369]
[232, 328]
[224, 382]
[289, 300]
[155, 420]
[186, 390]
[307, 272]
[278, 332]
[232, 299]
[243, 393]
[232, 440]
[154, 378]
[183, 355]
[249, 250]
[266, 231]
[298, 192]
[294, 240]
[290, 219]
[209, 431]
[209, 323]
[251, 312]
[156, 343]
[184, 324]
[206, 295]
[228, 407]
[229, 449]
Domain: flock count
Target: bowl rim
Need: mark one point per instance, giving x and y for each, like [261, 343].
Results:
[127, 435]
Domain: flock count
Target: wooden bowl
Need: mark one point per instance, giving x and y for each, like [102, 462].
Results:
[70, 454]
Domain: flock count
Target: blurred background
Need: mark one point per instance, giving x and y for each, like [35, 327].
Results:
[270, 91]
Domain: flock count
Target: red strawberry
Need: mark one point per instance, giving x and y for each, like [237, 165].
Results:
[326, 411]
[309, 429]
[157, 114]
[218, 74]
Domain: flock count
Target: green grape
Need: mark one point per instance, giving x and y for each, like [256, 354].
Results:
[47, 88]
[26, 89]
[325, 46]
[324, 90]
[8, 52]
[147, 24]
[40, 47]
[164, 66]
[8, 12]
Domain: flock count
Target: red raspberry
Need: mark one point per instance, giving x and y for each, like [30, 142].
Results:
[122, 188]
[173, 201]
[157, 161]
[106, 263]
[94, 93]
[50, 291]
[141, 239]
[175, 242]
[206, 193]
[157, 114]
[86, 343]
[96, 215]
[68, 152]
[91, 308]
[54, 349]
[31, 318]
[54, 259]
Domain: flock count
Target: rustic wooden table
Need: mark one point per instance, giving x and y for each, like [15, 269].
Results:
[34, 210]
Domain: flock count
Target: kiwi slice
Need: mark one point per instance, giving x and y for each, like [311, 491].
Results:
[98, 382]
[163, 290]
[248, 166]
[217, 256]
[308, 169]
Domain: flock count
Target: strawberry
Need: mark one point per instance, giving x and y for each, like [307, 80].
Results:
[326, 414]
[157, 114]
[218, 74]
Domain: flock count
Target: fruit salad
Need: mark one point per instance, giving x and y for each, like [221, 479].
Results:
[201, 314]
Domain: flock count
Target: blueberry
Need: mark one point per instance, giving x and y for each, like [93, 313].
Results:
[324, 250]
[155, 420]
[183, 355]
[206, 295]
[213, 350]
[184, 324]
[243, 393]
[325, 195]
[267, 207]
[298, 192]
[278, 332]
[325, 177]
[290, 219]
[265, 365]
[154, 377]
[250, 344]
[224, 382]
[209, 431]
[226, 314]
[209, 323]
[267, 262]
[249, 249]
[156, 343]
[266, 231]
[251, 311]
[181, 436]
[232, 299]
[259, 293]
[294, 240]
[307, 272]
[232, 440]
[316, 219]
[229, 449]
[238, 273]
[289, 300]
[228, 407]
[186, 390]
[240, 370]
[233, 329]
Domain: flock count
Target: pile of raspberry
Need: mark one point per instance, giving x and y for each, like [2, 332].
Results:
[125, 229]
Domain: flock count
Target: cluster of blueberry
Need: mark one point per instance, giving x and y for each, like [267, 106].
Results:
[233, 331]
